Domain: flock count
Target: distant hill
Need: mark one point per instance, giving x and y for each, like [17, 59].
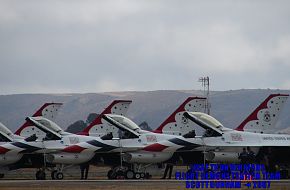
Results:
[229, 107]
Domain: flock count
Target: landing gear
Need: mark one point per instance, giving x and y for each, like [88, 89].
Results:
[140, 171]
[129, 174]
[116, 173]
[137, 176]
[141, 175]
[56, 175]
[59, 175]
[1, 176]
[124, 172]
[40, 175]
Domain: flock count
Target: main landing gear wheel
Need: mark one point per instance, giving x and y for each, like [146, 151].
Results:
[129, 174]
[1, 176]
[59, 175]
[40, 175]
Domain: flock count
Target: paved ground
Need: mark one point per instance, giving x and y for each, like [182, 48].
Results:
[88, 185]
[109, 184]
[24, 179]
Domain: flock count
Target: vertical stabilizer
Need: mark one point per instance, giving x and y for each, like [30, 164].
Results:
[176, 123]
[99, 127]
[48, 110]
[264, 118]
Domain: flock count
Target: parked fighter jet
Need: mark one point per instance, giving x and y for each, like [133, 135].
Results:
[13, 146]
[262, 120]
[224, 144]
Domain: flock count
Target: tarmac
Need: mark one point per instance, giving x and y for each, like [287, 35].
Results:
[24, 179]
[116, 184]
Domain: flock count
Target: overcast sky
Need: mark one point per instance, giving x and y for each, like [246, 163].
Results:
[103, 45]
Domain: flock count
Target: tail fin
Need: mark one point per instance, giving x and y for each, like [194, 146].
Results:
[97, 128]
[48, 110]
[176, 123]
[265, 116]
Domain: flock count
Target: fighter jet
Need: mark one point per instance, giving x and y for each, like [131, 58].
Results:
[222, 144]
[13, 146]
[262, 120]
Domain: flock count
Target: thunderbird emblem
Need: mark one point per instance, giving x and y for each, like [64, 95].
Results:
[184, 120]
[267, 116]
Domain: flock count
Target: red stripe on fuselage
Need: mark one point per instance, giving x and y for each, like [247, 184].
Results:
[73, 149]
[155, 147]
[3, 150]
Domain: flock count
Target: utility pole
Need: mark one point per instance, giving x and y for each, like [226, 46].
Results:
[205, 83]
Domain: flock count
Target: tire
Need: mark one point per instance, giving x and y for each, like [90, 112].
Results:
[1, 176]
[59, 175]
[129, 174]
[53, 174]
[142, 175]
[137, 176]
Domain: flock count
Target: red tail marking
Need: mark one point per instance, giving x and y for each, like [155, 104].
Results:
[36, 114]
[98, 120]
[254, 114]
[171, 118]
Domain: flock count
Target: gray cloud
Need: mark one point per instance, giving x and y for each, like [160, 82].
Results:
[92, 46]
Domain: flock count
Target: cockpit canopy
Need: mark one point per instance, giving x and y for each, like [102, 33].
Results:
[208, 119]
[49, 124]
[125, 122]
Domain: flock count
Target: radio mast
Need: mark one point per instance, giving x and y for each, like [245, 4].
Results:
[205, 84]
